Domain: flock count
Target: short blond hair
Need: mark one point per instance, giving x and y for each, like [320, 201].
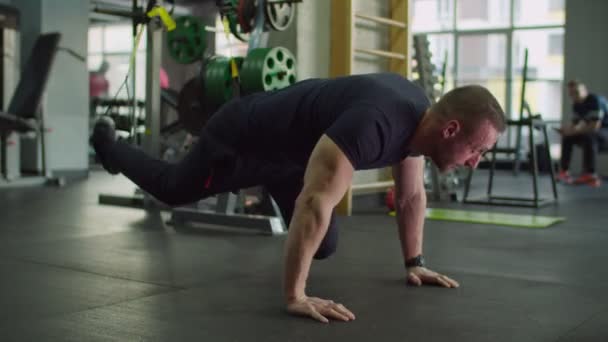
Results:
[472, 104]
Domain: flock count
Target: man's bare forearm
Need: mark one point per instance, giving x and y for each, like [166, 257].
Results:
[410, 222]
[307, 229]
[586, 128]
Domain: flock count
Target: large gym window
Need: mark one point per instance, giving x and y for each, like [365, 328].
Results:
[482, 59]
[545, 70]
[484, 43]
[113, 43]
[480, 14]
[432, 15]
[539, 13]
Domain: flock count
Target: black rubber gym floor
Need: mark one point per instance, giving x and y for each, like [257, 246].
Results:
[73, 270]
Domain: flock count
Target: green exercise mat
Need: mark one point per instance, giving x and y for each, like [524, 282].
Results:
[514, 220]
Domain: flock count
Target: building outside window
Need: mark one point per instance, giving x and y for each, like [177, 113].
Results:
[484, 42]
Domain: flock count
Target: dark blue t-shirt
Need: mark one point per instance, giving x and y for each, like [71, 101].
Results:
[370, 117]
[592, 108]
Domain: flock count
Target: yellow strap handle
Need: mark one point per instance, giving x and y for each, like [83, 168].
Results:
[233, 67]
[165, 17]
[226, 27]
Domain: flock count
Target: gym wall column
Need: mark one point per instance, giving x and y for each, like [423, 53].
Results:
[66, 102]
[308, 38]
[585, 47]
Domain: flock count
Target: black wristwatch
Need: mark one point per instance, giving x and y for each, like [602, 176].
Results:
[417, 261]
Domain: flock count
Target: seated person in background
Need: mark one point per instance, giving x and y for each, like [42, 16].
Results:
[588, 129]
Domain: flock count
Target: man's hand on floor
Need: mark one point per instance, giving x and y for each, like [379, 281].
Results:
[421, 275]
[320, 309]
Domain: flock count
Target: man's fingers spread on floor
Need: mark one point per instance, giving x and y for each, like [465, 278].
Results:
[442, 282]
[342, 309]
[414, 280]
[452, 282]
[333, 313]
[317, 315]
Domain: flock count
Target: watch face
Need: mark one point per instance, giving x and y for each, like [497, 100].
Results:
[417, 261]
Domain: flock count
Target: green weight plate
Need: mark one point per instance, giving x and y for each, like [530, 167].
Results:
[268, 69]
[186, 43]
[218, 79]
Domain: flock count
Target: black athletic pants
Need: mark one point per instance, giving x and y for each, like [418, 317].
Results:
[589, 143]
[212, 167]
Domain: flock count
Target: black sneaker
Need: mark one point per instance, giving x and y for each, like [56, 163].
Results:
[103, 137]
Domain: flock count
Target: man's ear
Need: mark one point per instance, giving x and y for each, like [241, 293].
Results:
[450, 129]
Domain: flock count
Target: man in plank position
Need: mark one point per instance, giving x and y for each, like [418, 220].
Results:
[303, 143]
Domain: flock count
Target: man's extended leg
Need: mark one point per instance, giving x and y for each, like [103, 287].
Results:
[285, 194]
[174, 184]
